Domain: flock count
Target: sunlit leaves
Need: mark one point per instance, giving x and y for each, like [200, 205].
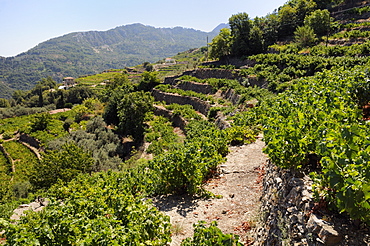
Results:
[319, 117]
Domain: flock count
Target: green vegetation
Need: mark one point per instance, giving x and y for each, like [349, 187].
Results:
[161, 136]
[210, 236]
[61, 166]
[24, 160]
[277, 69]
[96, 79]
[94, 52]
[169, 89]
[103, 144]
[313, 113]
[186, 111]
[318, 123]
[132, 112]
[96, 210]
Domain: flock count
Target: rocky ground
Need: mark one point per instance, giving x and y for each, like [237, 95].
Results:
[239, 185]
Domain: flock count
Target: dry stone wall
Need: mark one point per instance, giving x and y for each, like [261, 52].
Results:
[177, 120]
[194, 86]
[289, 215]
[231, 95]
[199, 105]
[29, 140]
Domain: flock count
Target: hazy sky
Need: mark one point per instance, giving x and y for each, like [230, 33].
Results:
[25, 23]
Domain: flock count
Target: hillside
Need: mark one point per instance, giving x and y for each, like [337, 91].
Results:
[91, 52]
[256, 149]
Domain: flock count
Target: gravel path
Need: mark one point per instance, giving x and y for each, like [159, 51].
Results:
[236, 212]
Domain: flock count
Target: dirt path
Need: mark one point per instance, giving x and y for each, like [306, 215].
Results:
[239, 187]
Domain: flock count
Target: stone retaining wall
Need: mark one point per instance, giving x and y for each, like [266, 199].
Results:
[29, 140]
[177, 120]
[198, 104]
[231, 96]
[194, 86]
[207, 73]
[289, 215]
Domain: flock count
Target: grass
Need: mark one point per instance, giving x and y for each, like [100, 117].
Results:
[97, 79]
[177, 228]
[24, 159]
[4, 164]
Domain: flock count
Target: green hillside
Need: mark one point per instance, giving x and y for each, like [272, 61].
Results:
[91, 52]
[299, 76]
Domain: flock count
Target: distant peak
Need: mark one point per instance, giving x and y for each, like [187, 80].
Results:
[220, 26]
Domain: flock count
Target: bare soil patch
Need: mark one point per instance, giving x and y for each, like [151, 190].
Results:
[238, 184]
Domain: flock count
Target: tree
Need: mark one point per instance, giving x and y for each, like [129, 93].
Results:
[132, 111]
[270, 26]
[19, 96]
[40, 122]
[76, 95]
[148, 67]
[41, 97]
[287, 20]
[292, 14]
[240, 26]
[221, 44]
[112, 96]
[256, 41]
[304, 8]
[148, 81]
[48, 82]
[94, 105]
[119, 81]
[305, 36]
[323, 4]
[319, 21]
[60, 102]
[81, 112]
[4, 103]
[61, 166]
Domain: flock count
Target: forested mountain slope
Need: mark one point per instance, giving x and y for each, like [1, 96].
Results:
[94, 51]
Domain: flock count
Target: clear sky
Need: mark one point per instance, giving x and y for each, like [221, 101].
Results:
[26, 23]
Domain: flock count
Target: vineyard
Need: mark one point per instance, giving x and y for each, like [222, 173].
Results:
[319, 124]
[122, 140]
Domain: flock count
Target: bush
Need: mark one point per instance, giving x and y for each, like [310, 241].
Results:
[40, 122]
[305, 36]
[210, 236]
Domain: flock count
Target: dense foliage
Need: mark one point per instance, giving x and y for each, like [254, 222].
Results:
[277, 69]
[96, 210]
[319, 123]
[103, 144]
[61, 166]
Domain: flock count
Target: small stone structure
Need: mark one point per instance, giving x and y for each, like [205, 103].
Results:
[69, 81]
[231, 96]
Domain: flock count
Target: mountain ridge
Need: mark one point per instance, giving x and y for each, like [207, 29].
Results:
[80, 53]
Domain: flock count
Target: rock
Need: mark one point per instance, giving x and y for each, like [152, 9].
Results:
[325, 231]
[329, 235]
[314, 224]
[33, 206]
